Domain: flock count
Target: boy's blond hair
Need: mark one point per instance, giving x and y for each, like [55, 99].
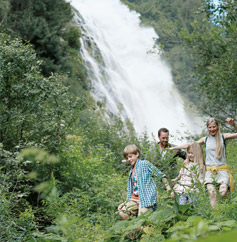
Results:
[130, 149]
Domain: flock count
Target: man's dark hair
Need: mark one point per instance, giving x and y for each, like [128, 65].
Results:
[165, 130]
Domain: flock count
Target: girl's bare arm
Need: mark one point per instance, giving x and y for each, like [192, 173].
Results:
[178, 147]
[231, 121]
[230, 135]
[185, 146]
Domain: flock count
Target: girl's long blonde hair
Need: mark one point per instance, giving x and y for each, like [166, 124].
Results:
[217, 137]
[198, 157]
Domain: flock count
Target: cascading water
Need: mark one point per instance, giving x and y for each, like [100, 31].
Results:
[115, 48]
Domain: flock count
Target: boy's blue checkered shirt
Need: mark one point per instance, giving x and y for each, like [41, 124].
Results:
[146, 186]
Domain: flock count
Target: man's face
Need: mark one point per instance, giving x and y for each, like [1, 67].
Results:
[164, 137]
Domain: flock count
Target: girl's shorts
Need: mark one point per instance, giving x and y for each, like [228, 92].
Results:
[222, 177]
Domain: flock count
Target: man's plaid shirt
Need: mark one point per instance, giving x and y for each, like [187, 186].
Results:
[146, 186]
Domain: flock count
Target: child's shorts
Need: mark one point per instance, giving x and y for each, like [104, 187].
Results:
[222, 177]
[133, 207]
[185, 198]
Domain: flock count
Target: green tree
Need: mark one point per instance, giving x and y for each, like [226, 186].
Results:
[33, 108]
[215, 46]
[4, 10]
[42, 23]
[48, 25]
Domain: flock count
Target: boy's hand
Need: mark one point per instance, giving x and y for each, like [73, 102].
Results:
[120, 206]
[167, 186]
[169, 189]
[172, 194]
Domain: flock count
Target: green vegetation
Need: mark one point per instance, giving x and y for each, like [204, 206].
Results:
[215, 47]
[60, 159]
[32, 106]
[41, 23]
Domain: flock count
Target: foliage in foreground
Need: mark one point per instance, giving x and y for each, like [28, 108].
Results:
[171, 223]
[76, 198]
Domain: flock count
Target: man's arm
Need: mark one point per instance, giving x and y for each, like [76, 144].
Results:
[180, 153]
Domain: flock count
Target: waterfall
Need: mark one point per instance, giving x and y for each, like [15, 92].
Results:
[125, 73]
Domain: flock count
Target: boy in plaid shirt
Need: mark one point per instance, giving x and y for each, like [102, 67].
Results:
[142, 193]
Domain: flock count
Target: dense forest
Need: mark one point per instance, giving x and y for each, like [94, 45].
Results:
[60, 159]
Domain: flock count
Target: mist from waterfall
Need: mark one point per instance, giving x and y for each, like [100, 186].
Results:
[125, 74]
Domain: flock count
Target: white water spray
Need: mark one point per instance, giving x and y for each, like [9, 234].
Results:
[128, 75]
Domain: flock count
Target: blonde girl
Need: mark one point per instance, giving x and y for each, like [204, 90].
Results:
[217, 170]
[190, 174]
